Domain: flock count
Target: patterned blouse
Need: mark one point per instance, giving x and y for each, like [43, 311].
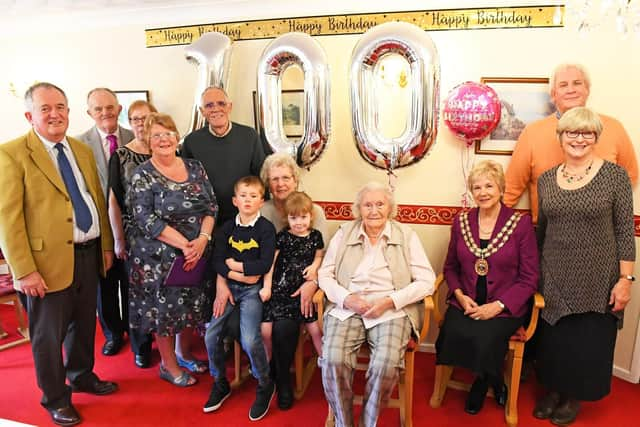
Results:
[584, 234]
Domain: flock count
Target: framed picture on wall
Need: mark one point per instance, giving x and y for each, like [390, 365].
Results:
[125, 98]
[523, 100]
[292, 112]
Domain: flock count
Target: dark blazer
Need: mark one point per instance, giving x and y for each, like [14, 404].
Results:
[513, 269]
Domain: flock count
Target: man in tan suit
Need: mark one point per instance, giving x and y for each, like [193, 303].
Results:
[55, 235]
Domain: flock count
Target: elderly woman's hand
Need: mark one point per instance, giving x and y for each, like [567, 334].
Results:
[378, 307]
[196, 248]
[120, 249]
[620, 295]
[306, 292]
[484, 311]
[465, 301]
[356, 303]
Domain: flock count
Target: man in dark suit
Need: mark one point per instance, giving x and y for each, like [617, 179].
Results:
[55, 235]
[104, 138]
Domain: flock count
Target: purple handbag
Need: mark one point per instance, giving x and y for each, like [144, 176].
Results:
[178, 277]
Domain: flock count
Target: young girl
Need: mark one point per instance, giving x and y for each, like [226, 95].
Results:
[297, 259]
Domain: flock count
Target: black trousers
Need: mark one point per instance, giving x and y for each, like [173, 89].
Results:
[66, 318]
[114, 321]
[284, 337]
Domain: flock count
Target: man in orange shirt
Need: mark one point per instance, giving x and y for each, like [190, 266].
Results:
[538, 149]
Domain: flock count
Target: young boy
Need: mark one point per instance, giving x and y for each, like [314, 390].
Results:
[244, 251]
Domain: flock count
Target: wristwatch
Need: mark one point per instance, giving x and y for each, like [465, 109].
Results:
[500, 304]
[628, 277]
[207, 235]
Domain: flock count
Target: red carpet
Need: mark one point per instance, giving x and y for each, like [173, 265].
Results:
[145, 400]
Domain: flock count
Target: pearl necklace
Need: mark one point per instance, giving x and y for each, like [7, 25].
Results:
[481, 264]
[570, 177]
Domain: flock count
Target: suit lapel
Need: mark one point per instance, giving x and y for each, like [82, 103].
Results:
[98, 153]
[42, 160]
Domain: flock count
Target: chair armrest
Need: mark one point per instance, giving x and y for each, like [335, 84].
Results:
[538, 303]
[318, 301]
[428, 309]
[438, 316]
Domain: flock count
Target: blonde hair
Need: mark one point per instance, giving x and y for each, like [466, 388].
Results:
[161, 119]
[371, 187]
[298, 203]
[249, 181]
[279, 160]
[580, 119]
[135, 105]
[490, 169]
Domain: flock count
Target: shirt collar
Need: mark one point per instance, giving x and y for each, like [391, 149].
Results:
[104, 135]
[50, 145]
[219, 136]
[386, 231]
[252, 223]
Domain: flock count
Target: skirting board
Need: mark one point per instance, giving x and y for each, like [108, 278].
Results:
[623, 374]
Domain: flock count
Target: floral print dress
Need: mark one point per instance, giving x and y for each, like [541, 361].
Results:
[156, 202]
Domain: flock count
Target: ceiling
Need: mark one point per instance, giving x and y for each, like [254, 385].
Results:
[33, 16]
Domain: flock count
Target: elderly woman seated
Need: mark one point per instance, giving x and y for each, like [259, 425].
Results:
[375, 274]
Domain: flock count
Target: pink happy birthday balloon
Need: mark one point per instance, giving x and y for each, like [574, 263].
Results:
[472, 111]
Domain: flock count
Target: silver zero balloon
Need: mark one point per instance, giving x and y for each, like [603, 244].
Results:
[417, 48]
[211, 53]
[302, 50]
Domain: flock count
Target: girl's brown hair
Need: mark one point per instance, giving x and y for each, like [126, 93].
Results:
[298, 203]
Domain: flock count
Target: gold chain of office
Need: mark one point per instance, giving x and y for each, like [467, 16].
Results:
[482, 265]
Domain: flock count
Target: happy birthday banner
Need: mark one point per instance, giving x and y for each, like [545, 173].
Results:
[428, 20]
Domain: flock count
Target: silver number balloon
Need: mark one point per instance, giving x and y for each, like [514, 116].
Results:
[211, 53]
[417, 48]
[302, 50]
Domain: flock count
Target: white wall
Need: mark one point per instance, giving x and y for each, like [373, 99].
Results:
[79, 54]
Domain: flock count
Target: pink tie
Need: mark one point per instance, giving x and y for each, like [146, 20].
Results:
[113, 144]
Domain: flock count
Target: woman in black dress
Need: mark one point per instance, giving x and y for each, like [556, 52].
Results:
[121, 166]
[586, 231]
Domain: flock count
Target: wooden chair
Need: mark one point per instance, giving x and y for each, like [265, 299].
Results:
[304, 371]
[404, 402]
[9, 295]
[513, 364]
[240, 373]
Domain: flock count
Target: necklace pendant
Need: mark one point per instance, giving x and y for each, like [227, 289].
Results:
[482, 267]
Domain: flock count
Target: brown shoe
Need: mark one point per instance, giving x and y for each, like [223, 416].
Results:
[546, 405]
[565, 413]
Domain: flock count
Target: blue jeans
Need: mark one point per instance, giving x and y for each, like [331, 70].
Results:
[248, 301]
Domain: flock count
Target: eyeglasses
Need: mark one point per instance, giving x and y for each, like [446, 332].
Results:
[285, 179]
[159, 136]
[587, 134]
[212, 105]
[137, 119]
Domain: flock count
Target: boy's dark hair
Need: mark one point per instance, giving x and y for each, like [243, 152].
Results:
[249, 181]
